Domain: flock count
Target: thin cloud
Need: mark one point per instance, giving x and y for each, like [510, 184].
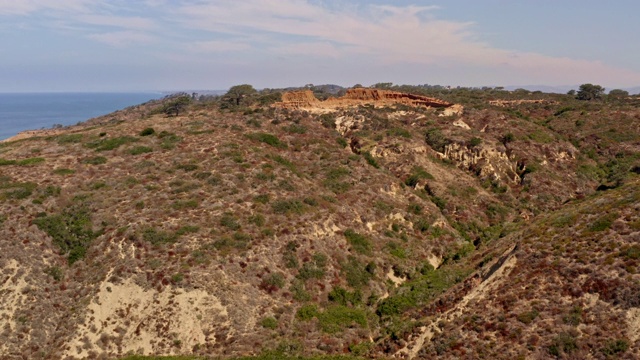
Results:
[26, 7]
[122, 38]
[389, 34]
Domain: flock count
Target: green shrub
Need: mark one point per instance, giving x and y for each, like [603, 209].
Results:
[528, 317]
[338, 317]
[71, 231]
[414, 208]
[158, 237]
[400, 132]
[417, 174]
[370, 159]
[55, 272]
[30, 161]
[261, 199]
[287, 206]
[358, 242]
[63, 171]
[307, 312]
[177, 278]
[269, 323]
[603, 223]
[97, 160]
[267, 138]
[355, 273]
[298, 291]
[187, 229]
[613, 347]
[344, 297]
[110, 144]
[563, 343]
[296, 129]
[169, 140]
[147, 131]
[436, 139]
[396, 250]
[342, 142]
[421, 225]
[310, 270]
[187, 167]
[69, 138]
[272, 282]
[475, 141]
[184, 204]
[140, 150]
[420, 290]
[16, 190]
[229, 221]
[257, 219]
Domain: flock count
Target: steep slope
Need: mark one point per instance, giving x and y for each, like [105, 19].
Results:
[376, 228]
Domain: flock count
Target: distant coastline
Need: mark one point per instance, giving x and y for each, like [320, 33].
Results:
[20, 112]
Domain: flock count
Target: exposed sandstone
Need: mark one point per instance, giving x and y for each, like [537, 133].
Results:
[304, 99]
[507, 103]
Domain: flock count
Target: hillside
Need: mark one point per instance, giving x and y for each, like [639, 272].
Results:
[373, 227]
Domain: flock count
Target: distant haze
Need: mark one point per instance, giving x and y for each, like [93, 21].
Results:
[91, 45]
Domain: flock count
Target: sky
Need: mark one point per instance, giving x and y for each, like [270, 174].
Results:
[164, 45]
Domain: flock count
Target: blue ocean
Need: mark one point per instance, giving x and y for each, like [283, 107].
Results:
[33, 111]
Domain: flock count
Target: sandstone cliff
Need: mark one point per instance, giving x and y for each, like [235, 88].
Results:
[304, 99]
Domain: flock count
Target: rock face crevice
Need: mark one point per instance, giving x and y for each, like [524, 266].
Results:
[304, 99]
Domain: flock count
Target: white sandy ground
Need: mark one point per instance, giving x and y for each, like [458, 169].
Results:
[182, 314]
[12, 297]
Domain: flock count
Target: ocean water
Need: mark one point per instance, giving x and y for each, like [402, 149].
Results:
[33, 111]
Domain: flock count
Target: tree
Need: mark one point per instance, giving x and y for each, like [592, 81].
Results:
[240, 94]
[618, 93]
[589, 92]
[177, 104]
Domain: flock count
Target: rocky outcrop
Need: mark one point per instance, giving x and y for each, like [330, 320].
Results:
[507, 103]
[304, 99]
[485, 161]
[298, 100]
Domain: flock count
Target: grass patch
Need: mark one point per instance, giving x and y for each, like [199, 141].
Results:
[24, 162]
[70, 230]
[370, 159]
[97, 160]
[111, 143]
[140, 150]
[288, 207]
[30, 161]
[399, 132]
[420, 291]
[184, 204]
[268, 139]
[158, 237]
[333, 180]
[338, 317]
[69, 139]
[603, 223]
[64, 171]
[358, 242]
[15, 190]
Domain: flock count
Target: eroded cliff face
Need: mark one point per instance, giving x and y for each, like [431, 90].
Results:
[486, 161]
[304, 99]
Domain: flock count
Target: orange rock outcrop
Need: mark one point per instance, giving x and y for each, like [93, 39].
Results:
[304, 99]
